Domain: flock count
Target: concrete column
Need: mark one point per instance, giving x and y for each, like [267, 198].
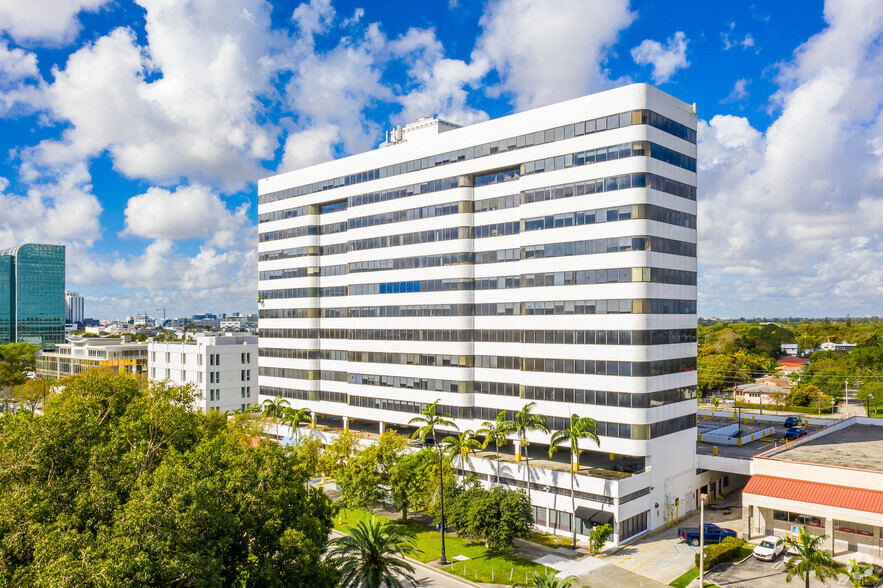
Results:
[746, 522]
[766, 521]
[312, 420]
[877, 539]
[829, 531]
[381, 427]
[346, 424]
[517, 451]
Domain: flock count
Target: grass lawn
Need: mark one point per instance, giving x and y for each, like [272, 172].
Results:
[553, 541]
[484, 564]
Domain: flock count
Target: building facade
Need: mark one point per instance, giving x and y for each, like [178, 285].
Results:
[547, 257]
[81, 354]
[828, 483]
[74, 307]
[223, 369]
[32, 304]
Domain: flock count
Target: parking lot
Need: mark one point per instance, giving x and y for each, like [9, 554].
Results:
[760, 574]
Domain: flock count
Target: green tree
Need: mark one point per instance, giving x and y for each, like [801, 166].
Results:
[523, 424]
[274, 409]
[497, 515]
[338, 454]
[21, 359]
[550, 580]
[861, 575]
[413, 481]
[580, 428]
[871, 393]
[811, 559]
[429, 419]
[33, 392]
[461, 446]
[373, 554]
[365, 477]
[119, 483]
[496, 432]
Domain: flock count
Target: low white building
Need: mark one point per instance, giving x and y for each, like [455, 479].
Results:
[829, 483]
[223, 368]
[831, 346]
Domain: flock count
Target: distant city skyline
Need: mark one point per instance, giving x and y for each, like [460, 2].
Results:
[137, 141]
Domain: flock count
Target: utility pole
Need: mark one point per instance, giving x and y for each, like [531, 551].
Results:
[846, 395]
[702, 498]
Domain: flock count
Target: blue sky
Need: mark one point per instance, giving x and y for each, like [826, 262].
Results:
[133, 132]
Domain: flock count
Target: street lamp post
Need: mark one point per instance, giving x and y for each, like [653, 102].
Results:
[702, 498]
[441, 488]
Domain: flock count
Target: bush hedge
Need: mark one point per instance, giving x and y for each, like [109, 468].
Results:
[721, 552]
[772, 408]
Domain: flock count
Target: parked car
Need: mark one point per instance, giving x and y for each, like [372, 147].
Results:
[790, 554]
[873, 571]
[769, 548]
[792, 421]
[795, 433]
[713, 534]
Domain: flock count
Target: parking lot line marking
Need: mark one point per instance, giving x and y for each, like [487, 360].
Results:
[778, 565]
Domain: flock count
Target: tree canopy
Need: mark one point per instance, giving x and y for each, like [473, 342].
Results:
[123, 484]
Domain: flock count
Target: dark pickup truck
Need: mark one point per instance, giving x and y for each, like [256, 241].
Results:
[713, 534]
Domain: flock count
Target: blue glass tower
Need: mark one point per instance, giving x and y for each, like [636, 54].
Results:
[32, 294]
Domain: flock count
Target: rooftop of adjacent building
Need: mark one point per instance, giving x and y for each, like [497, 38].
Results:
[855, 443]
[15, 249]
[214, 339]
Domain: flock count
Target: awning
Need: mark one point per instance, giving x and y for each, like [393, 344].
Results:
[820, 493]
[593, 515]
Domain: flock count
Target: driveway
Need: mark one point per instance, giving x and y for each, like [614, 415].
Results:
[663, 556]
[758, 574]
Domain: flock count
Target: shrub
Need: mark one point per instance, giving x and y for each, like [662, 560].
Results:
[721, 552]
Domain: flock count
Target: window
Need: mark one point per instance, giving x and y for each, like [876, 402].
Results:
[634, 525]
[218, 395]
[242, 376]
[242, 391]
[248, 391]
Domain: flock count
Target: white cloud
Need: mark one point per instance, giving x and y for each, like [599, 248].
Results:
[309, 147]
[800, 208]
[747, 42]
[64, 210]
[49, 22]
[739, 91]
[440, 86]
[183, 105]
[16, 64]
[187, 213]
[665, 60]
[550, 50]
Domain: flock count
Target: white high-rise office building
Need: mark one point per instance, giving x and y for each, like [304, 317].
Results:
[222, 369]
[74, 312]
[548, 257]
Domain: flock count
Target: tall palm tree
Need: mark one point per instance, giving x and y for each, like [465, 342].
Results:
[429, 420]
[295, 417]
[525, 422]
[548, 581]
[811, 558]
[373, 554]
[496, 432]
[580, 428]
[274, 409]
[462, 445]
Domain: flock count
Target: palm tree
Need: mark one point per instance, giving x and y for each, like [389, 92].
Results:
[496, 432]
[274, 409]
[580, 428]
[548, 581]
[861, 575]
[525, 422]
[429, 420]
[810, 558]
[462, 445]
[295, 417]
[373, 554]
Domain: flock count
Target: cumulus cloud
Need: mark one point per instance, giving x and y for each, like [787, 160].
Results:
[48, 22]
[739, 91]
[809, 189]
[440, 86]
[187, 213]
[309, 147]
[64, 210]
[550, 50]
[185, 104]
[16, 64]
[665, 59]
